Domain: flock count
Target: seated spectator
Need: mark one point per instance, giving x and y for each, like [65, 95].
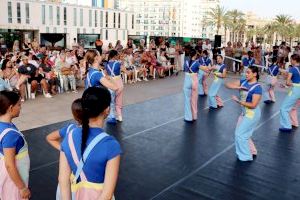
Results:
[128, 62]
[141, 71]
[162, 60]
[34, 78]
[49, 74]
[67, 72]
[4, 85]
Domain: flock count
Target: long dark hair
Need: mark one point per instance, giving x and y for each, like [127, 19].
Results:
[112, 54]
[7, 99]
[90, 58]
[94, 101]
[254, 70]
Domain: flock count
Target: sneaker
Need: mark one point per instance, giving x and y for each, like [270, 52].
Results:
[145, 79]
[111, 121]
[22, 100]
[75, 91]
[33, 95]
[138, 79]
[120, 119]
[268, 101]
[48, 95]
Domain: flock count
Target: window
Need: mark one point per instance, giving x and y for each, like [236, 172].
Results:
[57, 15]
[96, 18]
[106, 19]
[90, 18]
[132, 22]
[27, 13]
[43, 14]
[145, 27]
[19, 13]
[74, 16]
[51, 15]
[55, 30]
[101, 18]
[65, 16]
[106, 34]
[78, 30]
[65, 30]
[117, 34]
[81, 17]
[114, 20]
[9, 12]
[123, 34]
[47, 29]
[84, 30]
[119, 20]
[126, 22]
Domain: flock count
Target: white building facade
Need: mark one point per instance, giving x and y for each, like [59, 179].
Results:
[32, 19]
[179, 18]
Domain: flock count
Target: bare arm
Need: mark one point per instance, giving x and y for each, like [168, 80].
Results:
[255, 101]
[10, 165]
[222, 75]
[64, 177]
[233, 85]
[108, 84]
[54, 139]
[110, 180]
[289, 79]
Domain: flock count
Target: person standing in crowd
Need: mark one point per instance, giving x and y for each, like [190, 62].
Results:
[293, 81]
[229, 52]
[16, 46]
[118, 46]
[89, 153]
[271, 80]
[238, 53]
[171, 53]
[14, 157]
[250, 96]
[179, 56]
[130, 45]
[202, 75]
[220, 73]
[114, 69]
[99, 45]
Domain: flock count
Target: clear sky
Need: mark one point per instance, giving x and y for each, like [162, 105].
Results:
[266, 8]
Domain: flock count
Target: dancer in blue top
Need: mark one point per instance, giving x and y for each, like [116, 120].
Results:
[250, 96]
[271, 80]
[89, 154]
[293, 81]
[190, 87]
[220, 72]
[247, 62]
[202, 76]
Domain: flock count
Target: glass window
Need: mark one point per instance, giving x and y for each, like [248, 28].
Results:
[81, 17]
[43, 14]
[119, 21]
[47, 29]
[106, 19]
[90, 18]
[9, 12]
[19, 13]
[58, 15]
[74, 16]
[27, 13]
[117, 34]
[126, 22]
[114, 20]
[84, 30]
[106, 34]
[96, 18]
[132, 22]
[65, 30]
[51, 15]
[65, 16]
[101, 18]
[78, 30]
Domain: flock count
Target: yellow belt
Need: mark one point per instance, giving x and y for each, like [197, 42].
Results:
[116, 77]
[296, 84]
[85, 184]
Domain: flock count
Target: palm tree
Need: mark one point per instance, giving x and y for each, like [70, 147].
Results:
[236, 21]
[283, 24]
[216, 17]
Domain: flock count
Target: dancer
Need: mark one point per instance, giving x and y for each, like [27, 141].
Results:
[220, 72]
[293, 80]
[271, 81]
[190, 88]
[90, 154]
[202, 76]
[250, 95]
[247, 61]
[113, 69]
[14, 157]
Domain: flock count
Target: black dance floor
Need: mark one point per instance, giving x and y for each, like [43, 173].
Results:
[166, 159]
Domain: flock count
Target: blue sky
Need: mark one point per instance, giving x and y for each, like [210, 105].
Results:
[266, 8]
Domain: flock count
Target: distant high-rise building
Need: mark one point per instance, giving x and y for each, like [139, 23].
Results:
[98, 3]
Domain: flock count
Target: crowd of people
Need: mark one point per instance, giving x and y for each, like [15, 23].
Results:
[91, 157]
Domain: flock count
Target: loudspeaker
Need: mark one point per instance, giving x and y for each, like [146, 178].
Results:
[218, 41]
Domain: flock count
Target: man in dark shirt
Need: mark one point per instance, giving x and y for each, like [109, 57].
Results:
[34, 78]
